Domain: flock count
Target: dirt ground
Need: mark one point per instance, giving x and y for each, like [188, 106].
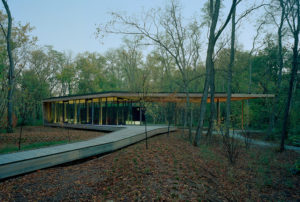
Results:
[171, 169]
[41, 134]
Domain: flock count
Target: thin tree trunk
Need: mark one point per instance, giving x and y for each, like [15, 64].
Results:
[203, 101]
[284, 134]
[229, 73]
[250, 76]
[274, 117]
[214, 14]
[11, 69]
[212, 103]
[188, 110]
[209, 62]
[146, 131]
[20, 136]
[169, 128]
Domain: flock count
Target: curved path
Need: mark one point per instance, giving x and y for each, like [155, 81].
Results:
[122, 136]
[263, 143]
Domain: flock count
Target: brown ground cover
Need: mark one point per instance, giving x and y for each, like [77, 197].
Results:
[39, 136]
[171, 169]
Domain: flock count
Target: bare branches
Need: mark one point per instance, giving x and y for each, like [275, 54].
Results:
[233, 5]
[3, 30]
[248, 11]
[292, 15]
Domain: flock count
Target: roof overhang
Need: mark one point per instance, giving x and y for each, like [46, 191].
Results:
[159, 97]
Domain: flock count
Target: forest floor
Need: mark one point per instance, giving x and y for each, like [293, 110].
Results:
[39, 136]
[170, 169]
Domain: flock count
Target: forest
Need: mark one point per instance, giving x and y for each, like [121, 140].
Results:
[242, 150]
[179, 61]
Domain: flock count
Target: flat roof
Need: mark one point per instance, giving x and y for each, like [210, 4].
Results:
[159, 97]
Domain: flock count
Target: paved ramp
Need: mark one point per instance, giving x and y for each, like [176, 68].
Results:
[27, 161]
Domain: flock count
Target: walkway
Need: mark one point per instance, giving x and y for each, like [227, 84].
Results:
[257, 142]
[28, 161]
[264, 143]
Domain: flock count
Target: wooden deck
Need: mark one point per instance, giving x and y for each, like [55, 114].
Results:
[28, 161]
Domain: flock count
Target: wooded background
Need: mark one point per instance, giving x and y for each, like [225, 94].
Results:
[198, 55]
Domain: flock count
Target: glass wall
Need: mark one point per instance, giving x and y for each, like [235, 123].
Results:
[97, 111]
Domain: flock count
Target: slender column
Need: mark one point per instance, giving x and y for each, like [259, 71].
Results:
[75, 112]
[79, 110]
[93, 112]
[117, 112]
[65, 111]
[100, 111]
[140, 113]
[191, 115]
[242, 114]
[87, 111]
[55, 113]
[123, 105]
[48, 106]
[218, 112]
[106, 120]
[131, 116]
[130, 112]
[175, 114]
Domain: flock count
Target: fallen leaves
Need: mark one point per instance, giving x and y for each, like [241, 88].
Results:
[171, 169]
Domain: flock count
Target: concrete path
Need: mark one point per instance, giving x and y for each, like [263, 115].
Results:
[27, 161]
[264, 143]
[256, 142]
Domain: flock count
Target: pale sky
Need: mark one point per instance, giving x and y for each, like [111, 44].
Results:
[70, 25]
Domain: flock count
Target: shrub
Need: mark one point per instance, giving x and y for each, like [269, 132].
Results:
[231, 146]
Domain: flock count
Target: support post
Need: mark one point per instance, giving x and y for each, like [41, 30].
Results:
[65, 112]
[117, 112]
[191, 116]
[242, 114]
[175, 114]
[79, 112]
[140, 113]
[106, 120]
[218, 112]
[123, 105]
[92, 112]
[87, 110]
[55, 112]
[130, 110]
[75, 112]
[100, 116]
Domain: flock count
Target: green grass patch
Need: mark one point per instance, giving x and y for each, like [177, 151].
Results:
[14, 148]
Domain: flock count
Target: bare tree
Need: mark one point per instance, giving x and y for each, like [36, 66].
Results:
[231, 146]
[214, 9]
[7, 34]
[280, 33]
[293, 18]
[229, 72]
[166, 30]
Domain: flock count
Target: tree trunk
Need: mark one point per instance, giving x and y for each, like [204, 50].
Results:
[273, 116]
[146, 131]
[20, 136]
[11, 70]
[229, 74]
[188, 111]
[209, 63]
[295, 32]
[284, 134]
[212, 103]
[213, 37]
